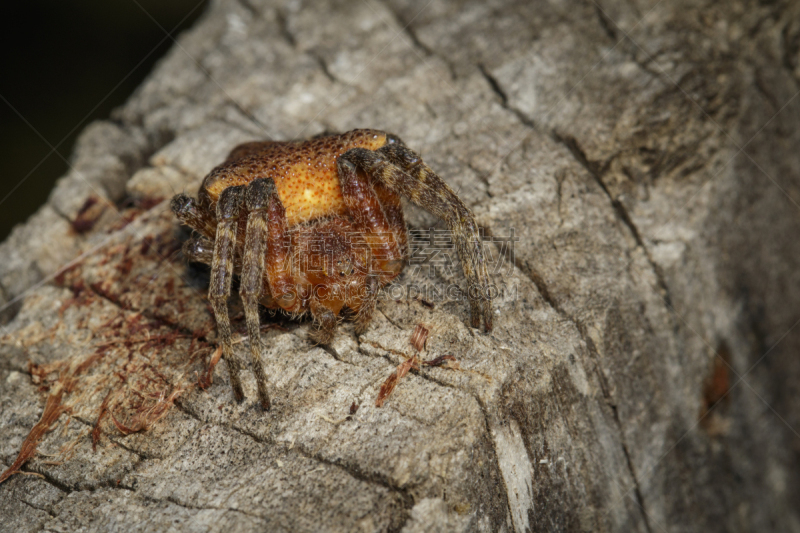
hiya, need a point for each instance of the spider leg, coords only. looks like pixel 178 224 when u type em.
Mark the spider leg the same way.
pixel 279 258
pixel 252 277
pixel 382 223
pixel 324 322
pixel 198 250
pixel 368 301
pixel 189 213
pixel 368 214
pixel 393 209
pixel 401 170
pixel 219 290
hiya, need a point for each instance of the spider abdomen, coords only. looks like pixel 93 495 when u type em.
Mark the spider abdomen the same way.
pixel 304 173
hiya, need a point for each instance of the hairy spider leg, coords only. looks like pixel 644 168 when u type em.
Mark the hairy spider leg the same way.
pixel 381 223
pixel 393 211
pixel 402 170
pixel 199 249
pixel 324 322
pixel 368 215
pixel 368 301
pixel 187 210
pixel 427 190
pixel 278 260
pixel 219 290
pixel 251 280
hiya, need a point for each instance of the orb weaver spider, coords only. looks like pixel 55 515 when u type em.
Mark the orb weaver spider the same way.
pixel 318 226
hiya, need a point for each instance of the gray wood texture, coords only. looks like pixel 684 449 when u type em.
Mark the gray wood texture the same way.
pixel 645 155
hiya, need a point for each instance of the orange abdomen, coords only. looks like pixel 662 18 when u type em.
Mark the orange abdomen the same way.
pixel 305 172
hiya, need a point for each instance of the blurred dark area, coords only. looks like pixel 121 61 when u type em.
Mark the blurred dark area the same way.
pixel 65 64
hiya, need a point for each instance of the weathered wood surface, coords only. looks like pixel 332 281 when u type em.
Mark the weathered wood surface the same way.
pixel 645 153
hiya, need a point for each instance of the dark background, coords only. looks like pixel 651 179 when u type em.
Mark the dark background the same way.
pixel 66 63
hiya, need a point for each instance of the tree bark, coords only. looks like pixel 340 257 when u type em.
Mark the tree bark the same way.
pixel 635 167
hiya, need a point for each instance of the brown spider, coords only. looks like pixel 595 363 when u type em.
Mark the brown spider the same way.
pixel 323 230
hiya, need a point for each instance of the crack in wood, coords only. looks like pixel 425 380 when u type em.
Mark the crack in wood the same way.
pixel 541 286
pixel 597 171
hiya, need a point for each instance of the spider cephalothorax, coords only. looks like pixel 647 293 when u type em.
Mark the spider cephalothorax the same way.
pixel 318 226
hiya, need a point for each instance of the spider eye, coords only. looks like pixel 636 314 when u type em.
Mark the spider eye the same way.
pixel 391 139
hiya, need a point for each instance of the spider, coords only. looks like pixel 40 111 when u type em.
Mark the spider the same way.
pixel 317 226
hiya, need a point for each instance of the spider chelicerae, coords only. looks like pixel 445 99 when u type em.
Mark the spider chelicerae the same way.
pixel 318 226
